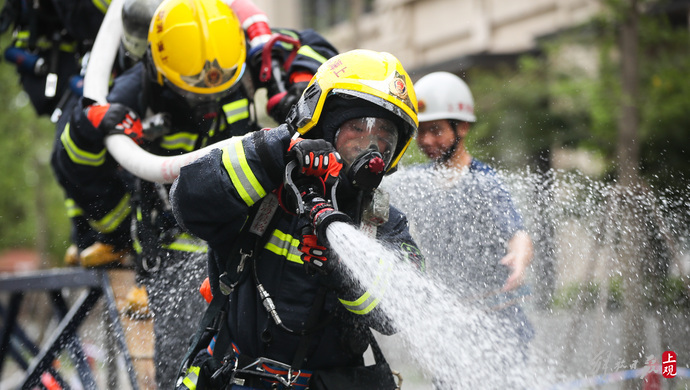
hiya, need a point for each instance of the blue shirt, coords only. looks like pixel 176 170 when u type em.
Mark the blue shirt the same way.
pixel 462 221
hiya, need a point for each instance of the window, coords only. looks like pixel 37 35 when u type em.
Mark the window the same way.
pixel 323 14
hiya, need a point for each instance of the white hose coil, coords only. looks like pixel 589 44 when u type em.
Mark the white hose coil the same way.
pixel 149 166
pixel 103 53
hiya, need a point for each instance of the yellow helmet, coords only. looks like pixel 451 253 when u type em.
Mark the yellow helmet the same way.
pixel 376 77
pixel 197 48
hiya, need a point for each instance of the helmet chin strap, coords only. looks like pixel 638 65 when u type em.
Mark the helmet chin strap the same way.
pixel 448 154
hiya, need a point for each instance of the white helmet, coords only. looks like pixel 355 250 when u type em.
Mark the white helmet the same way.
pixel 443 95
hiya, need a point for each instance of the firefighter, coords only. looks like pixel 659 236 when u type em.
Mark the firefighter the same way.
pixel 351 126
pixel 50 38
pixel 136 17
pixel 195 78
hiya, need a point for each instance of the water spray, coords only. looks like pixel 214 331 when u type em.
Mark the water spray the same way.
pixel 421 308
pixel 455 342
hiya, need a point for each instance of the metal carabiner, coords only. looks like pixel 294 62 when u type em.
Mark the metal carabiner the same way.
pixel 243 259
pixel 225 369
pixel 146 265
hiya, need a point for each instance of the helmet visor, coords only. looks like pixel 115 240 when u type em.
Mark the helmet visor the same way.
pixel 356 136
pixel 217 75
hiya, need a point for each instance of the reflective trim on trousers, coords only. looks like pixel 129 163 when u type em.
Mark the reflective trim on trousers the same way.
pixel 114 218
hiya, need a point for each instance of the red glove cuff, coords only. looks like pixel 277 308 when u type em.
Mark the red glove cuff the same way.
pixel 334 168
pixel 294 142
pixel 96 112
pixel 311 241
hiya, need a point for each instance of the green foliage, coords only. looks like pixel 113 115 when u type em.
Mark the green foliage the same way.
pixel 570 96
pixel 568 297
pixel 31 210
pixel 524 111
pixel 512 115
pixel 413 155
pixel 675 295
pixel 614 300
pixel 665 103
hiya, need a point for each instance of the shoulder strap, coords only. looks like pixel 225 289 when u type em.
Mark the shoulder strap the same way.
pixel 248 243
pixel 208 326
pixel 252 242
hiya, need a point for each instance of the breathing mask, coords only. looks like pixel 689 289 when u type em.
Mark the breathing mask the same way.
pixel 367 146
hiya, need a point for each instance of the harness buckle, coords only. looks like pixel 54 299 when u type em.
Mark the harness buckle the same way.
pixel 293 378
pixel 225 287
pixel 227 370
pixel 256 369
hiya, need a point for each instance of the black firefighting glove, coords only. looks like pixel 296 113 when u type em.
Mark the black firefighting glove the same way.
pixel 320 259
pixel 316 157
pixel 280 103
pixel 115 118
pixel 316 257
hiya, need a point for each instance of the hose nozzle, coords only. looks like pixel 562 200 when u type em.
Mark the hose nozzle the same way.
pixel 322 215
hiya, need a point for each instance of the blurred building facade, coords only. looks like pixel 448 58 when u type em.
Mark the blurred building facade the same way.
pixel 430 35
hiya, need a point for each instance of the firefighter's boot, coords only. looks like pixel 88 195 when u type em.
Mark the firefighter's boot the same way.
pixel 137 302
pixel 72 256
pixel 102 255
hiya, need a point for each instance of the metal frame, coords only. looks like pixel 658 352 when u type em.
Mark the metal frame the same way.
pixel 52 282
